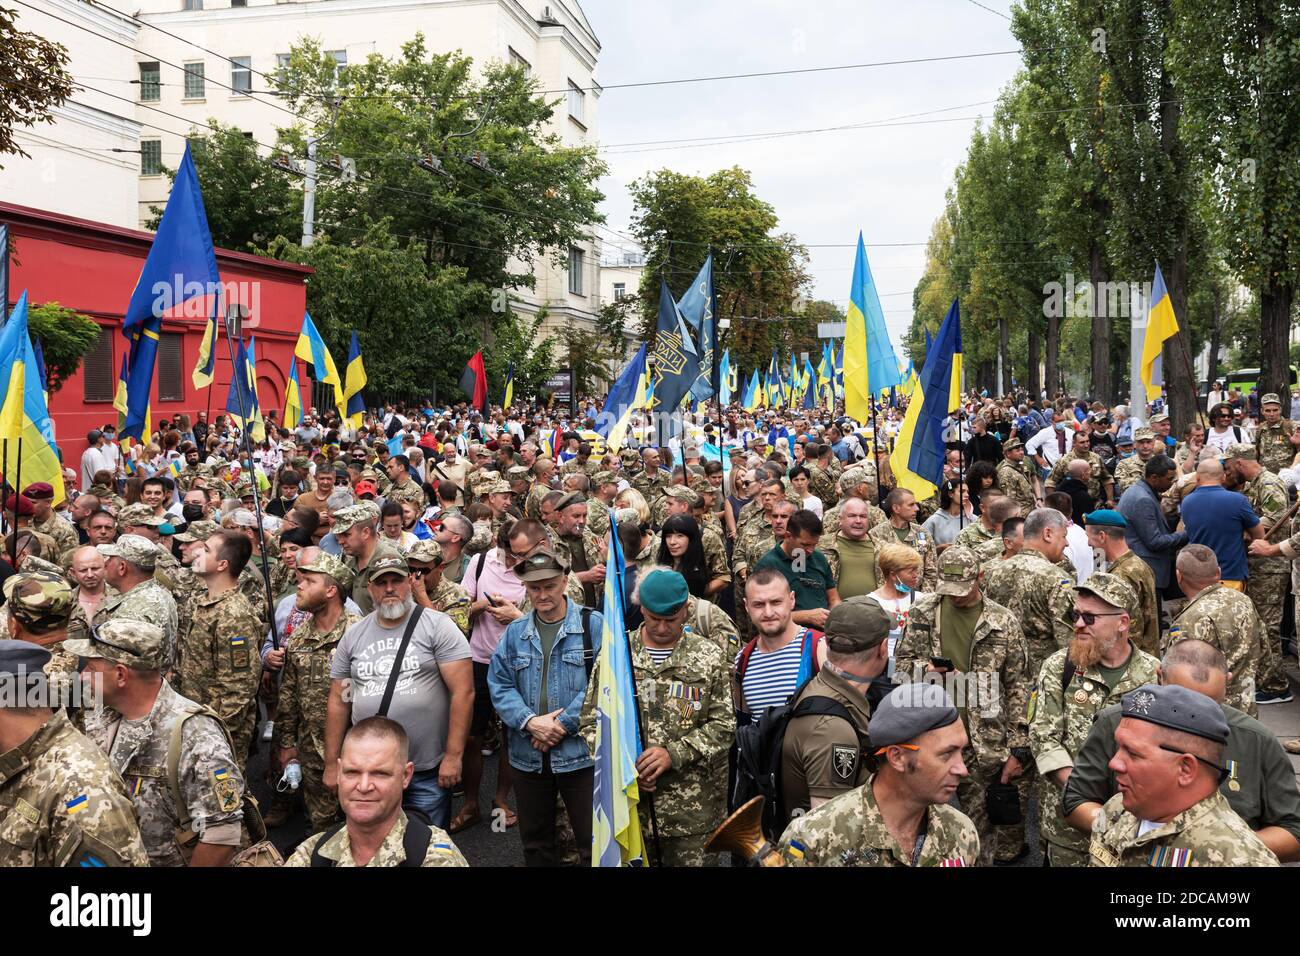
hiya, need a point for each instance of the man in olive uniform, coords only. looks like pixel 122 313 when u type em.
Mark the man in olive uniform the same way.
pixel 901 816
pixel 1098 668
pixel 653 478
pixel 685 691
pixel 995 508
pixel 1168 764
pixel 220 666
pixel 823 753
pixel 141 720
pixel 856 482
pixel 983 642
pixel 61 804
pixel 47 521
pixel 25 510
pixel 323 586
pixel 1012 477
pixel 1101 486
pixel 1267 578
pixel 1133 469
pixel 1106 533
pixel 1272 437
pixel 1041 593
pixel 355 529
pixel 851 551
pixel 901 528
pixel 130 568
pixel 584 551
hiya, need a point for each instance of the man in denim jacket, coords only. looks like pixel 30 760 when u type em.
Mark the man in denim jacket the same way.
pixel 547 648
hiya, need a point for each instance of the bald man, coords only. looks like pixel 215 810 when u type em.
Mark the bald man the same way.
pixel 90 588
pixel 1218 518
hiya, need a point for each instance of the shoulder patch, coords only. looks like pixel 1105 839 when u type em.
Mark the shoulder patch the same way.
pixel 844 762
pixel 226 790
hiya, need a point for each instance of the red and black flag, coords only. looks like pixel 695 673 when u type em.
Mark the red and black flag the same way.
pixel 473 382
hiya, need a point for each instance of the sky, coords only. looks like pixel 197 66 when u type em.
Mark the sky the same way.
pixel 888 183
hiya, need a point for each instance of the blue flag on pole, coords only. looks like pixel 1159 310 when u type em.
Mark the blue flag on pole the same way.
pixel 626 397
pixel 917 458
pixel 676 364
pixel 699 309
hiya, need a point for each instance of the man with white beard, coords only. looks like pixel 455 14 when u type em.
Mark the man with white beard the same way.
pixel 430 692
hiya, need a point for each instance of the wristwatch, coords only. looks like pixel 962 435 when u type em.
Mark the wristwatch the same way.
pixel 1024 756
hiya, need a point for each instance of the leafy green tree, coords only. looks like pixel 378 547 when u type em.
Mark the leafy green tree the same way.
pixel 66 337
pixel 33 79
pixel 518 340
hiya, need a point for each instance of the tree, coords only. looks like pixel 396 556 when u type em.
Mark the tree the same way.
pixel 590 357
pixel 516 343
pixel 32 81
pixel 249 200
pixel 66 338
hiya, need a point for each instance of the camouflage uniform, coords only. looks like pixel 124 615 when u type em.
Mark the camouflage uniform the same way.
pixel 1273 445
pixel 337 849
pixel 77 623
pixel 651 486
pixel 993 706
pixel 1267 578
pixel 973 535
pixel 300 721
pixel 885 533
pixel 208 776
pixel 831 518
pixel 597 517
pixel 1227 619
pixel 220 666
pixel 1128 473
pixel 61 804
pixel 1043 598
pixel 107 497
pixel 61 533
pixel 850 831
pixel 1059 723
pixel 822 485
pixel 686 709
pixel 1210 831
pixel 408 490
pixel 453 600
pixel 715 554
pixel 709 621
pixel 1017 486
pixel 253 586
pixel 749 512
pixel 1060 471
pixel 1145 629
pixel 533 503
pixel 361 580
pixel 148 601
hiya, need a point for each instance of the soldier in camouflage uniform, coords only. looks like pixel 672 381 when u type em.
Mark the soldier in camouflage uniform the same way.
pixel 355 529
pixel 853 483
pixel 684 684
pixel 189 587
pixel 1064 709
pixel 305 687
pixel 992 685
pixel 430 589
pixel 1207 831
pixel 1273 435
pixel 61 804
pixel 1039 592
pixel 219 663
pixel 901 528
pixel 1133 469
pixel 26 512
pixel 1014 479
pixel 758 538
pixel 107 496
pixel 1099 480
pixel 1220 616
pixel 652 479
pixel 77 623
pixel 543 468
pixel 1105 530
pixel 39 603
pixel 821 483
pixel 1267 578
pixel 582 550
pixel 604 486
pixel 49 523
pixel 922 739
pixel 403 487
pixel 130 568
pixel 137 727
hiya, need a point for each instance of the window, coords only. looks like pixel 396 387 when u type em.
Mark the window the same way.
pixel 576 102
pixel 239 3
pixel 519 61
pixel 620 290
pixel 150 157
pixel 98 378
pixel 575 270
pixel 194 81
pixel 171 386
pixel 340 58
pixel 150 83
pixel 241 73
pixel 191 4
pixel 282 61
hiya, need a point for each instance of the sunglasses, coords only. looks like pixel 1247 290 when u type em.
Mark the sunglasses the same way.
pixel 1089 618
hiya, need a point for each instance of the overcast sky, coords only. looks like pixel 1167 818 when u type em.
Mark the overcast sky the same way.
pixel 888 183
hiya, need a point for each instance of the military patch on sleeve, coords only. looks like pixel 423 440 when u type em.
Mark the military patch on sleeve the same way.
pixel 1033 705
pixel 225 790
pixel 844 761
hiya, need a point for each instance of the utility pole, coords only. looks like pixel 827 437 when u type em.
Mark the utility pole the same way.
pixel 309 195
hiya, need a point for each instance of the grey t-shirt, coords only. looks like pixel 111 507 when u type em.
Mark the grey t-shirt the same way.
pixel 421 702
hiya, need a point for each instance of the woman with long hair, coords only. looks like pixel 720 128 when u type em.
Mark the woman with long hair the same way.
pixel 681 547
pixel 954 511
pixel 980 477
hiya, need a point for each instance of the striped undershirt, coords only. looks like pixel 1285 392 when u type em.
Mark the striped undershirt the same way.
pixel 771 676
pixel 659 654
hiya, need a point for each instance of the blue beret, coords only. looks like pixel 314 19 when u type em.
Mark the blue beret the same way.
pixel 663 592
pixel 1105 518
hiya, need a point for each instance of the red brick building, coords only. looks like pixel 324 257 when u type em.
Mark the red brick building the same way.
pixel 93 267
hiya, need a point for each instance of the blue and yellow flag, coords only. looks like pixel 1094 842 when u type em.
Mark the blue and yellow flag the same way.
pixel 24 414
pixel 1162 324
pixel 626 397
pixel 509 397
pixel 726 379
pixel 870 366
pixel 311 349
pixel 616 826
pixel 207 363
pixel 181 267
pixel 917 458
pixel 356 403
pixel 292 398
pixel 241 401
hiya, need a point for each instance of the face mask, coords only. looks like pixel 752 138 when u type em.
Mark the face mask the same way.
pixel 1060 426
pixel 192 512
pixel 902 588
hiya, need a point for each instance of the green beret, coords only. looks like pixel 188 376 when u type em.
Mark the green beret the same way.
pixel 663 592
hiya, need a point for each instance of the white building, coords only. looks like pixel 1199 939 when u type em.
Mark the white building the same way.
pixel 86 162
pixel 620 272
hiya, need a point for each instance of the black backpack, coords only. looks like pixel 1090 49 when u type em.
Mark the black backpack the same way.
pixel 415 843
pixel 758 752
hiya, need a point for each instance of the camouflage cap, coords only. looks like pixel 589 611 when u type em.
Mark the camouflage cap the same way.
pixel 131 547
pixel 40 600
pixel 629 455
pixel 959 567
pixel 134 644
pixel 198 531
pixel 498 487
pixel 682 493
pixel 326 563
pixel 1112 589
pixel 853 477
pixel 389 562
pixel 857 624
pixel 139 514
pixel 700 485
pixel 603 478
pixel 518 473
pixel 427 552
pixel 244 488
pixel 362 512
pixel 1240 451
pixel 1143 434
pixel 1270 399
pixel 1156 419
pixel 1011 444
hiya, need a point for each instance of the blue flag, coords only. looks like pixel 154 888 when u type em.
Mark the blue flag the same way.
pixel 676 364
pixel 917 458
pixel 626 397
pixel 699 309
pixel 181 267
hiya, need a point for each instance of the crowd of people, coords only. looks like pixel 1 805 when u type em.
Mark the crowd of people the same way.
pixel 1083 617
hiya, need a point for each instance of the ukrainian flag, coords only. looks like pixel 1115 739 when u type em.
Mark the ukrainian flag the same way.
pixel 869 363
pixel 24 415
pixel 510 387
pixel 1162 324
pixel 356 408
pixel 311 349
pixel 259 423
pixel 207 363
pixel 917 458
pixel 625 398
pixel 616 827
pixel 241 401
pixel 293 398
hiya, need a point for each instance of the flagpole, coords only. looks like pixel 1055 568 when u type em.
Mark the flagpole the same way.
pixel 18 483
pixel 245 405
